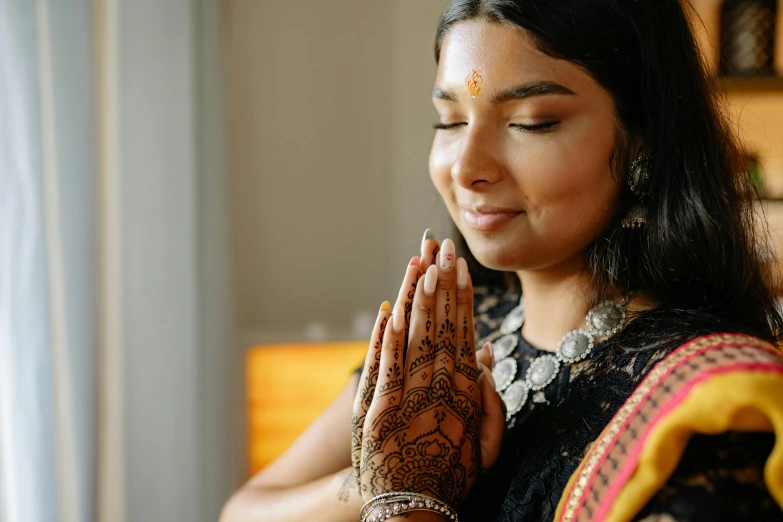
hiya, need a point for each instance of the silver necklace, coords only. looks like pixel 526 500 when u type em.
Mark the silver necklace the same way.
pixel 604 320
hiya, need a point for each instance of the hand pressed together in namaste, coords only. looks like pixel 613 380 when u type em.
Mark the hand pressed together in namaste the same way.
pixel 426 418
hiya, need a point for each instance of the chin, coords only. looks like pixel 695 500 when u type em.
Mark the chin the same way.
pixel 496 255
pixel 517 254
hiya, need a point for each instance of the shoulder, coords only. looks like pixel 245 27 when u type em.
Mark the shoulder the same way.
pixel 711 385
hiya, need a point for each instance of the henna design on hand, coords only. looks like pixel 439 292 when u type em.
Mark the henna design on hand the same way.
pixel 431 462
pixel 466 364
pixel 427 350
pixel 394 377
pixel 422 431
pixel 365 396
pixel 444 460
pixel 445 345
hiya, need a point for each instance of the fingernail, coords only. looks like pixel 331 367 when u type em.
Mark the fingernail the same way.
pixel 385 307
pixel 462 273
pixel 428 234
pixel 491 349
pixel 431 280
pixel 415 261
pixel 398 320
pixel 447 255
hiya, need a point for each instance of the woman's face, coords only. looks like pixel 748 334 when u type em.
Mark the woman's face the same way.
pixel 523 167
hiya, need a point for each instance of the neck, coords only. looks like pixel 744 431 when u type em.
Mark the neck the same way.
pixel 556 302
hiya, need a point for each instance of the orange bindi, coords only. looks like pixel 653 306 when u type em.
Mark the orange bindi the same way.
pixel 473 83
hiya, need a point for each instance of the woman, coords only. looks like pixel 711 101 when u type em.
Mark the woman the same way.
pixel 581 155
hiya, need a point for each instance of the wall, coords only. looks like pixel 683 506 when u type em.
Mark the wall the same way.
pixel 329 126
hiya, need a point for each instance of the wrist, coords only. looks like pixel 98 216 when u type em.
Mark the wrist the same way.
pixel 419 516
pixel 398 505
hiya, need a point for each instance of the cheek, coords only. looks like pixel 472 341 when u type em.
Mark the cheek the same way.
pixel 440 169
pixel 571 173
pixel 571 192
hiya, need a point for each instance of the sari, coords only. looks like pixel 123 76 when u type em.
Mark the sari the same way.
pixel 714 384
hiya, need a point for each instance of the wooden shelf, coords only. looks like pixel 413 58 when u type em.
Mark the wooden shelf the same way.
pixel 750 84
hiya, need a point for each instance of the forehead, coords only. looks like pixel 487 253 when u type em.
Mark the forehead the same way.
pixel 503 54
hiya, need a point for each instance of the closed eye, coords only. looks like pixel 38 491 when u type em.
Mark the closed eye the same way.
pixel 448 126
pixel 539 127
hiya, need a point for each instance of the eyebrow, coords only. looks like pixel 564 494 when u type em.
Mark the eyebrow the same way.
pixel 518 92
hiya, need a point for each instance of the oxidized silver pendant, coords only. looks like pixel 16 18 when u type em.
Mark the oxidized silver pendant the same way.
pixel 606 319
pixel 575 346
pixel 515 397
pixel 504 373
pixel 542 371
pixel 514 320
pixel 505 346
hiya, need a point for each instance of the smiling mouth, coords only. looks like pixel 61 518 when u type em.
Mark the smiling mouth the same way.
pixel 488 219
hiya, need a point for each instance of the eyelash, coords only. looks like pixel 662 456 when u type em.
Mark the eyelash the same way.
pixel 539 127
pixel 447 126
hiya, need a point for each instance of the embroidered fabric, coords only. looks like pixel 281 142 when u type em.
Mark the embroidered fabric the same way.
pixel 549 437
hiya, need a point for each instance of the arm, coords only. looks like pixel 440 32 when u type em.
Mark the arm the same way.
pixel 312 480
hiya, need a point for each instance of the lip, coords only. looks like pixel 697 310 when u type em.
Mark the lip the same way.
pixel 483 217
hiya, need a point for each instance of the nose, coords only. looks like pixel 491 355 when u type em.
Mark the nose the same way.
pixel 476 161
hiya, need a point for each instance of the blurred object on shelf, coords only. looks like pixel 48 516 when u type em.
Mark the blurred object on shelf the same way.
pixel 747 37
pixel 316 331
pixel 772 252
pixel 288 387
pixel 362 323
pixel 757 174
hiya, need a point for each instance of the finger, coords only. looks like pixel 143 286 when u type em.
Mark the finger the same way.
pixel 485 356
pixel 388 390
pixel 367 381
pixel 429 250
pixel 465 335
pixel 369 375
pixel 493 420
pixel 420 352
pixel 408 290
pixel 446 312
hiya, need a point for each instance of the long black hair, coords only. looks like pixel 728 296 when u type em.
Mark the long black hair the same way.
pixel 700 254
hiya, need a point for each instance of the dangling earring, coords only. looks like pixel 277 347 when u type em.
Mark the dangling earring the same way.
pixel 638 178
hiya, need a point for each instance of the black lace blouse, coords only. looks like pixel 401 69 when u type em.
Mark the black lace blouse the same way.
pixel 718 478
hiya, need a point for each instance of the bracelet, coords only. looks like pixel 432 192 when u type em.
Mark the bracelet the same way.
pixel 394 503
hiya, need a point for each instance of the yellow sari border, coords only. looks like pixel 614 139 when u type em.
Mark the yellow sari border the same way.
pixel 623 469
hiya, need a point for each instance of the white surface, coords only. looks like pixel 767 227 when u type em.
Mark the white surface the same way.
pixel 27 444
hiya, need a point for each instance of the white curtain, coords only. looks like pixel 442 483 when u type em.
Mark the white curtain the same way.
pixel 118 392
pixel 48 262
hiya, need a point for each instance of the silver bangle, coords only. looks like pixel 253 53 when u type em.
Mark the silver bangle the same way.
pixel 387 505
